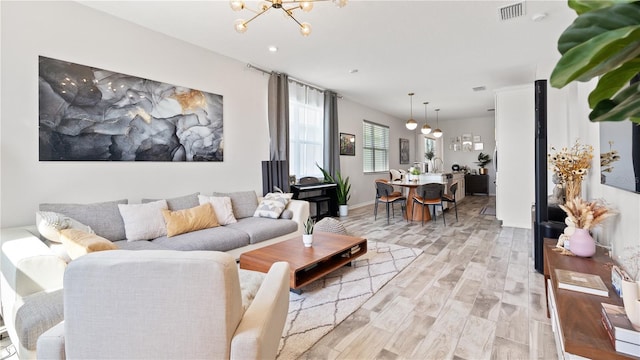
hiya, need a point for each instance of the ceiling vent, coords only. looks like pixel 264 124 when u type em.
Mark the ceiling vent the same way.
pixel 512 11
pixel 479 88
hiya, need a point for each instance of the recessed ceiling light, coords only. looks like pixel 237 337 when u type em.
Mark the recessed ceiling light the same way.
pixel 538 17
pixel 353 71
pixel 273 49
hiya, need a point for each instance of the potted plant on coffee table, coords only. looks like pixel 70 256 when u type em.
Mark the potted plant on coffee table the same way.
pixel 342 190
pixel 307 236
pixel 483 160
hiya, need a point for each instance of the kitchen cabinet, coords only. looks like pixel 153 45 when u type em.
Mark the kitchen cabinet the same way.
pixel 476 184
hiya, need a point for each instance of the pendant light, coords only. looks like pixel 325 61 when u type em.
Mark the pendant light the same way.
pixel 426 129
pixel 437 132
pixel 411 124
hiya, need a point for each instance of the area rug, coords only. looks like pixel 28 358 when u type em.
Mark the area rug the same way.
pixel 488 210
pixel 325 303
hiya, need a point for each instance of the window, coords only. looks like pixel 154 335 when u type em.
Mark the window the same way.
pixel 375 150
pixel 306 130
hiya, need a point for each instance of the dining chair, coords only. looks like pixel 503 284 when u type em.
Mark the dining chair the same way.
pixel 451 198
pixel 394 175
pixel 318 199
pixel 385 194
pixel 429 194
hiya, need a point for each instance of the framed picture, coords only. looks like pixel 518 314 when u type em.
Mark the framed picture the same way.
pixel 347 144
pixel 478 146
pixel 476 138
pixel 404 151
pixel 466 138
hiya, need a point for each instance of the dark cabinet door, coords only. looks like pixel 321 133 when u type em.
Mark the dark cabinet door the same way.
pixel 476 184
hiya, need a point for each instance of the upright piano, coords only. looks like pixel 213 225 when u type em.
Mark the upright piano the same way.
pixel 304 191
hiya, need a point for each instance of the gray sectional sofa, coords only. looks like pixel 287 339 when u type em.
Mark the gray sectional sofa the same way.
pixel 33 268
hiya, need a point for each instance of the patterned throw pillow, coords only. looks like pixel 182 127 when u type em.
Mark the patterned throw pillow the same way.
pixel 50 223
pixel 272 205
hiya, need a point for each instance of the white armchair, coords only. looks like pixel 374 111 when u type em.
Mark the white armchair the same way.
pixel 165 304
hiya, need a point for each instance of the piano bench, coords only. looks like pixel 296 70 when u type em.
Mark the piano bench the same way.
pixel 319 200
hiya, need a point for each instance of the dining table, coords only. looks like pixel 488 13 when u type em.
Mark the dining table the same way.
pixel 412 185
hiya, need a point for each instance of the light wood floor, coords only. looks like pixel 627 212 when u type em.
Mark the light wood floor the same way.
pixel 473 294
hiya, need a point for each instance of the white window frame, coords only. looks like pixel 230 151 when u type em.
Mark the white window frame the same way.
pixel 373 147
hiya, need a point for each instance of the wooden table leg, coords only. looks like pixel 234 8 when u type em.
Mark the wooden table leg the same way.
pixel 418 213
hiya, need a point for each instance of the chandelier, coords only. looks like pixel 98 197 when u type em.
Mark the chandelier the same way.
pixel 437 132
pixel 411 124
pixel 425 128
pixel 287 6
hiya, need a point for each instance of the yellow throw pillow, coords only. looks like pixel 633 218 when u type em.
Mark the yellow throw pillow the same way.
pixel 78 242
pixel 187 220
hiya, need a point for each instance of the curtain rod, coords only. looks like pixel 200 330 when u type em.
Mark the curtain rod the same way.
pixel 251 66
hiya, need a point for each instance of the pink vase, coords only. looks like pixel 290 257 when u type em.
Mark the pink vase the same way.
pixel 582 244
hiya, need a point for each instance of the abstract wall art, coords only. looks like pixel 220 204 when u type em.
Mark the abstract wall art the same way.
pixel 91 114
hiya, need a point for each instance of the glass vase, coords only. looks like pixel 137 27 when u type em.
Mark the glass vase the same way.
pixel 572 189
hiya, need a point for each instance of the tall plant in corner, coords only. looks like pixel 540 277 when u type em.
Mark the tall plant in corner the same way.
pixel 342 191
pixel 603 41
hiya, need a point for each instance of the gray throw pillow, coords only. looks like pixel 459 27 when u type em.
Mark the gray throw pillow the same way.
pixel 179 203
pixel 244 203
pixel 103 218
pixel 286 214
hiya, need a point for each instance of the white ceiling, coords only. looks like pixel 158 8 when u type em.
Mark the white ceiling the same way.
pixel 437 49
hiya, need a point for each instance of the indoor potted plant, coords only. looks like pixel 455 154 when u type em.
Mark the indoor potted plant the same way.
pixel 429 155
pixel 483 160
pixel 414 173
pixel 342 191
pixel 307 236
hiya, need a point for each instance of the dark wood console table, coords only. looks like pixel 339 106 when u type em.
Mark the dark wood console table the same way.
pixel 476 184
pixel 575 316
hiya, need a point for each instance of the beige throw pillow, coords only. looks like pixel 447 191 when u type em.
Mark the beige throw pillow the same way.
pixel 78 242
pixel 221 206
pixel 143 221
pixel 187 220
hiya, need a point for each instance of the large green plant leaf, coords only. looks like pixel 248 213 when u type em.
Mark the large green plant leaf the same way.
pixel 583 6
pixel 611 82
pixel 625 105
pixel 597 56
pixel 591 24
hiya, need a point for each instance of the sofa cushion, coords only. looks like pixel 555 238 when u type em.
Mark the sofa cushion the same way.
pixel 261 229
pixel 40 312
pixel 138 245
pixel 221 238
pixel 78 243
pixel 50 223
pixel 179 203
pixel 187 220
pixel 103 218
pixel 244 203
pixel 143 221
pixel 272 205
pixel 221 206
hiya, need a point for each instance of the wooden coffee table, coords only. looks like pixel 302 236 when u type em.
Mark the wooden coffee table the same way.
pixel 328 253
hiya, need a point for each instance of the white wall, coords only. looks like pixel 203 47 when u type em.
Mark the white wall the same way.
pixel 129 49
pixel 350 116
pixel 483 127
pixel 71 32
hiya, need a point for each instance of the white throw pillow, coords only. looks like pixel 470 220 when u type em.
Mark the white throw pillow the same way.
pixel 272 205
pixel 50 223
pixel 144 221
pixel 221 206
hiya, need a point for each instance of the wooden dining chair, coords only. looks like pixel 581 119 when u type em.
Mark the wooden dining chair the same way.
pixel 451 198
pixel 429 194
pixel 385 194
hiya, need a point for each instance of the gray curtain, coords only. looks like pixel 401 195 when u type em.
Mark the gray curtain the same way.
pixel 278 115
pixel 331 133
